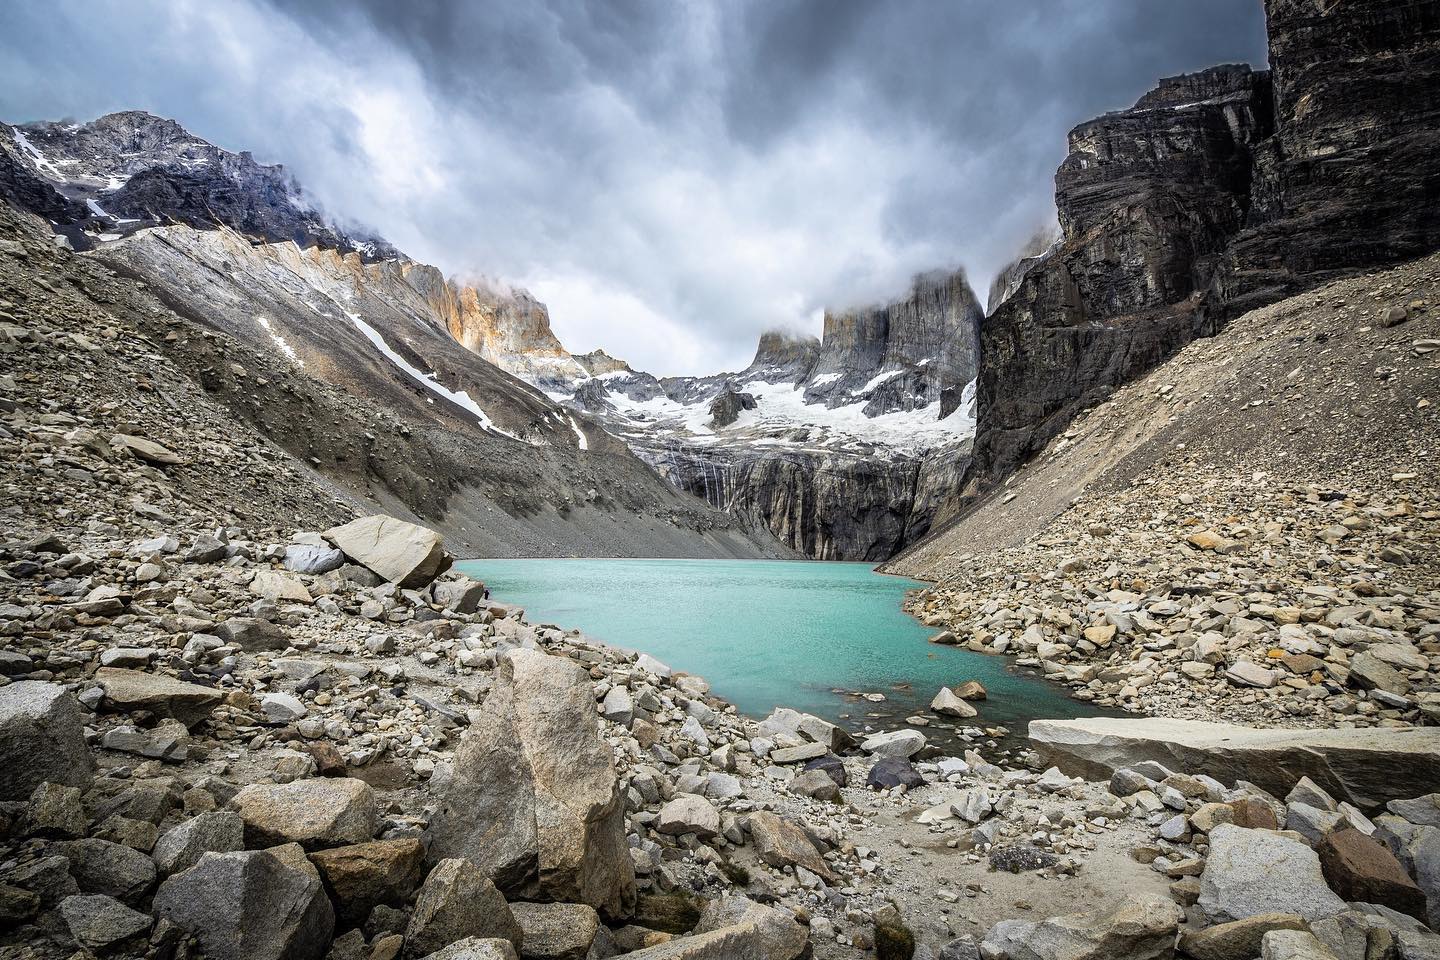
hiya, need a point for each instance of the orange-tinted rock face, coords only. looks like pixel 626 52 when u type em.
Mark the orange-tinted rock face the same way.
pixel 509 328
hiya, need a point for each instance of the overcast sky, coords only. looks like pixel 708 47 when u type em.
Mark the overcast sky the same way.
pixel 671 178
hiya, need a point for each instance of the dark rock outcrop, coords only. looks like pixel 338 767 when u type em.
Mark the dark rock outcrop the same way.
pixel 1217 192
pixel 726 408
pixel 930 333
pixel 142 170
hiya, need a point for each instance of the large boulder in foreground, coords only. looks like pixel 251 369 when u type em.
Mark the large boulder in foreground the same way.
pixel 1139 927
pixel 458 901
pixel 42 739
pixel 403 553
pixel 734 927
pixel 249 905
pixel 1367 767
pixel 534 800
pixel 314 813
pixel 1253 872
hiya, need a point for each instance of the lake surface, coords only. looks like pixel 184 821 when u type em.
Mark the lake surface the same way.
pixel 775 633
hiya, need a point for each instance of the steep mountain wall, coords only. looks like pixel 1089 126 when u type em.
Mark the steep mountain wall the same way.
pixel 930 333
pixel 1216 192
pixel 842 448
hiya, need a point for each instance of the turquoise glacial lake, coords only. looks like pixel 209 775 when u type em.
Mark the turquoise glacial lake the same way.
pixel 800 634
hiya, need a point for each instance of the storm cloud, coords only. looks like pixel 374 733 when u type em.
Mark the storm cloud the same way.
pixel 671 178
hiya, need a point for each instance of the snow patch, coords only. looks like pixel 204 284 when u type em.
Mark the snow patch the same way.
pixel 280 343
pixel 42 163
pixel 876 381
pixel 579 435
pixel 460 398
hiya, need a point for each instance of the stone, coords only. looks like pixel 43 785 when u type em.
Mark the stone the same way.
pixel 556 931
pixel 1422 811
pixel 1365 767
pixel 973 805
pixel 961 948
pixel 48 878
pixel 781 843
pixel 971 690
pixel 689 813
pixel 56 811
pixel 99 923
pixel 1211 815
pixel 276 586
pixel 475 948
pixel 101 866
pixel 462 595
pixel 534 799
pixel 734 928
pixel 282 707
pixel 314 813
pixel 403 553
pixel 889 772
pixel 618 706
pixel 312 558
pixel 948 704
pixel 458 901
pixel 363 875
pixel 1138 927
pixel 214 831
pixel 800 754
pixel 127 690
pixel 1251 872
pixel 1246 673
pixel 833 766
pixel 1310 822
pixel 1293 945
pixel 249 905
pixel 810 727
pixel 251 634
pixel 1308 792
pixel 898 743
pixel 1237 939
pixel 1017 859
pixel 42 739
pixel 816 784
pixel 141 448
pixel 1363 869
pixel 1369 672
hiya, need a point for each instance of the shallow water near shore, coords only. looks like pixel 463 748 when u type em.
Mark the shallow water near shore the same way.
pixel 777 633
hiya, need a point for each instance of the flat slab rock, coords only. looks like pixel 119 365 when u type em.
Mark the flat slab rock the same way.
pixel 1367 767
pixel 161 695
pixel 314 813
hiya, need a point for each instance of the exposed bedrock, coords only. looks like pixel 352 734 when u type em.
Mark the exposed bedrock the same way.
pixel 1217 192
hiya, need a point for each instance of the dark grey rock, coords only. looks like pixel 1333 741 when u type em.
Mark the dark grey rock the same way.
pixel 249 905
pixel 42 739
pixel 99 922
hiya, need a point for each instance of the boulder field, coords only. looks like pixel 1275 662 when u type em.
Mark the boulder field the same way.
pixel 360 769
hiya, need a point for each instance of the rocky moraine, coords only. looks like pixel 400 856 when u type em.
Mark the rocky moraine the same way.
pixel 250 710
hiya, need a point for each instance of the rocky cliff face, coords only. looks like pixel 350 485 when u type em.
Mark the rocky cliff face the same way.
pixel 131 170
pixel 842 448
pixel 1007 281
pixel 506 326
pixel 928 336
pixel 1216 192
